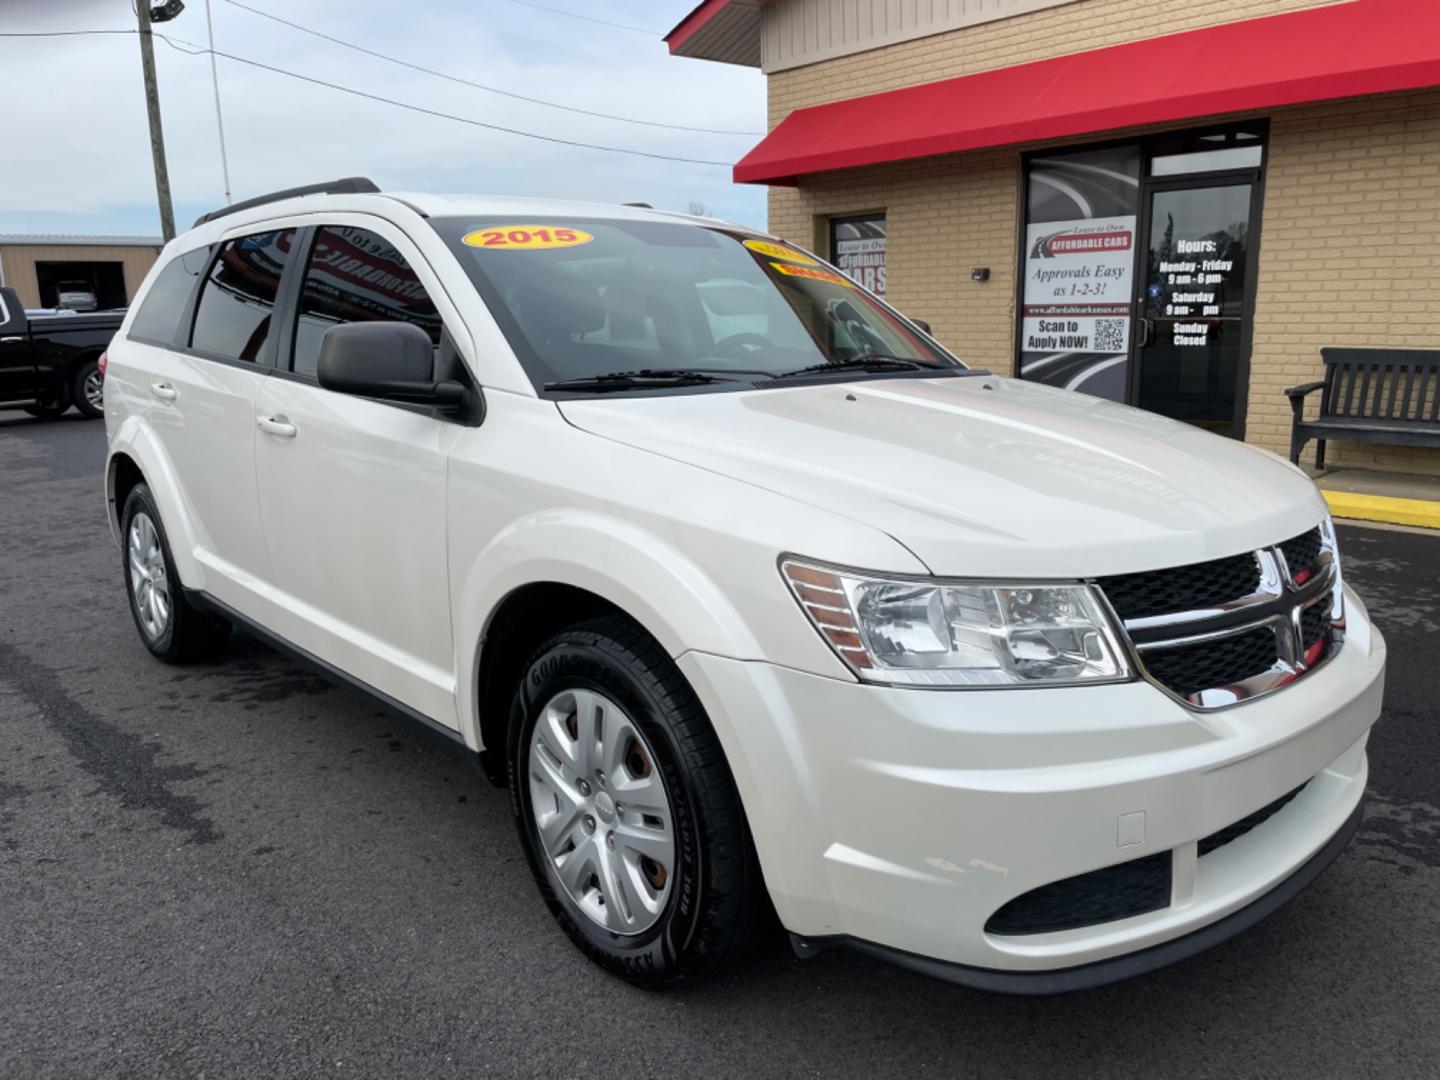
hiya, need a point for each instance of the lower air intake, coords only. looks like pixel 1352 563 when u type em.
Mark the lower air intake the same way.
pixel 1101 896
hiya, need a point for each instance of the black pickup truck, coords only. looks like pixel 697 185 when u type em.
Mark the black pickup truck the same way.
pixel 50 362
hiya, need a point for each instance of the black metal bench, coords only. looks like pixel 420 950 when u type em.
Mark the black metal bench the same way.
pixel 1370 395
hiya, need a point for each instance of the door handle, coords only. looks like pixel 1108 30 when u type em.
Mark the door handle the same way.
pixel 164 391
pixel 1146 329
pixel 274 425
pixel 10 340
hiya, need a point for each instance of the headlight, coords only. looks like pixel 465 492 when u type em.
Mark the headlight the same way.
pixel 959 634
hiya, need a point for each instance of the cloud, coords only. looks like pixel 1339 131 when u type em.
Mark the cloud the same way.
pixel 77 148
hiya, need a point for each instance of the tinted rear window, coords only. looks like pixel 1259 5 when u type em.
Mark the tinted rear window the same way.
pixel 233 317
pixel 159 316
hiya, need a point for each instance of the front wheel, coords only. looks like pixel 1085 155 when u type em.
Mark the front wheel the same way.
pixel 88 390
pixel 627 809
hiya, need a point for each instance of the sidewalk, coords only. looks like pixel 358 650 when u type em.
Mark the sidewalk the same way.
pixel 1393 498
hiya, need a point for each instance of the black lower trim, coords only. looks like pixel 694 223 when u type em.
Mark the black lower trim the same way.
pixel 446 736
pixel 1102 972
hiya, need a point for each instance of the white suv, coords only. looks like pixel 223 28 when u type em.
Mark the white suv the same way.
pixel 748 590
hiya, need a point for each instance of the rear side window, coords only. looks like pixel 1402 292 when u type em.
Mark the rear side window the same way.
pixel 158 319
pixel 233 319
pixel 356 276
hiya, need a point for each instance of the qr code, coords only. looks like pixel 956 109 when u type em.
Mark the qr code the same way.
pixel 1109 335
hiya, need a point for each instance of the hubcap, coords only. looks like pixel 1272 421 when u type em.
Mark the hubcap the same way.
pixel 601 810
pixel 94 388
pixel 148 584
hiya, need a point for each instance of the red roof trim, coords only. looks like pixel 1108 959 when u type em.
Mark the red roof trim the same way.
pixel 1319 54
pixel 693 23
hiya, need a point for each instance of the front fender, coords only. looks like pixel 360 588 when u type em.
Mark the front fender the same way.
pixel 652 581
pixel 138 442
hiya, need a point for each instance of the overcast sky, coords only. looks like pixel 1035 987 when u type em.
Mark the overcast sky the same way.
pixel 75 156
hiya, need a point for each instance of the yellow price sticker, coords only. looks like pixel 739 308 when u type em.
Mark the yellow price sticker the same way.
pixel 813 273
pixel 779 251
pixel 526 238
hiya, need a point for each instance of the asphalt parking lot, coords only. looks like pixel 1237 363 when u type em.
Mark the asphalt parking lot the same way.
pixel 241 870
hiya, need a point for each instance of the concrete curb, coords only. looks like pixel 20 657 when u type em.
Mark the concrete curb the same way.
pixel 1423 513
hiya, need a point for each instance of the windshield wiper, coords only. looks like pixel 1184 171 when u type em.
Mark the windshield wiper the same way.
pixel 871 362
pixel 631 380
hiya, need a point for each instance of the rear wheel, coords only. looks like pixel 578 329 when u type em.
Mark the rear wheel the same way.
pixel 87 389
pixel 627 809
pixel 170 626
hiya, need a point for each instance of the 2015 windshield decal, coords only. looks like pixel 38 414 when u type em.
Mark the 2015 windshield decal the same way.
pixel 779 251
pixel 814 273
pixel 526 237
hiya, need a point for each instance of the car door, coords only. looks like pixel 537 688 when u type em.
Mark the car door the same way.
pixel 353 490
pixel 17 365
pixel 199 398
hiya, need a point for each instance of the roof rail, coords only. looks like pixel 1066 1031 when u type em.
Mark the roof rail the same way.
pixel 350 185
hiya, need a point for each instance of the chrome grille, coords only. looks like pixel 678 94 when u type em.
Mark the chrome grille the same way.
pixel 1216 633
pixel 1302 553
pixel 1183 588
pixel 1188 669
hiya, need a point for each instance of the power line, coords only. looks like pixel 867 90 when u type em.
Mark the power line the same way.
pixel 482 86
pixel 391 101
pixel 588 18
pixel 460 119
pixel 60 33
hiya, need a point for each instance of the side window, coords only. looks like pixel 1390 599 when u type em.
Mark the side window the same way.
pixel 159 316
pixel 238 298
pixel 356 276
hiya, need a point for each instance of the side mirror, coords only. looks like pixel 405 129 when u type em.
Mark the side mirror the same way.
pixel 394 361
pixel 923 325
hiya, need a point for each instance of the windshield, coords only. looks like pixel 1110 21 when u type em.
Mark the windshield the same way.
pixel 583 298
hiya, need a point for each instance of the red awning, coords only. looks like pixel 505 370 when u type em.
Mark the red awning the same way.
pixel 1346 50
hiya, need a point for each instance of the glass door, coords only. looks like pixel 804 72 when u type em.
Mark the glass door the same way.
pixel 1192 349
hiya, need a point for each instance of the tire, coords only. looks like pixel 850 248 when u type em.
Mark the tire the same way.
pixel 87 390
pixel 171 628
pixel 708 900
pixel 50 410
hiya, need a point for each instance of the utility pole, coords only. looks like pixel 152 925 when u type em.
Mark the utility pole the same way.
pixel 152 105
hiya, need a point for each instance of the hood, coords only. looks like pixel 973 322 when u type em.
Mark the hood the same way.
pixel 983 476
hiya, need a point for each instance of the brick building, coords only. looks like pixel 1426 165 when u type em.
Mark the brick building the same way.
pixel 1170 203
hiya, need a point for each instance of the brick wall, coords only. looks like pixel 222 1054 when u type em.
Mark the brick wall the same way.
pixel 1090 24
pixel 1350 236
pixel 944 215
pixel 1349 253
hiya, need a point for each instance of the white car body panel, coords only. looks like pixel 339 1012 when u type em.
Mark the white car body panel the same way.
pixel 986 796
pixel 354 513
pixel 197 434
pixel 984 477
pixel 383 541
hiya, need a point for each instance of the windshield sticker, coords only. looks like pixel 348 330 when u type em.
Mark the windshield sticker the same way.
pixel 526 238
pixel 779 251
pixel 814 273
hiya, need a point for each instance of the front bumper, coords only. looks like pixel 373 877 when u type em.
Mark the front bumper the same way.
pixel 904 819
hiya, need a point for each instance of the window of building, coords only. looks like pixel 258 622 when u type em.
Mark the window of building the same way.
pixel 233 319
pixel 1137 261
pixel 355 275
pixel 1221 151
pixel 159 316
pixel 857 246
